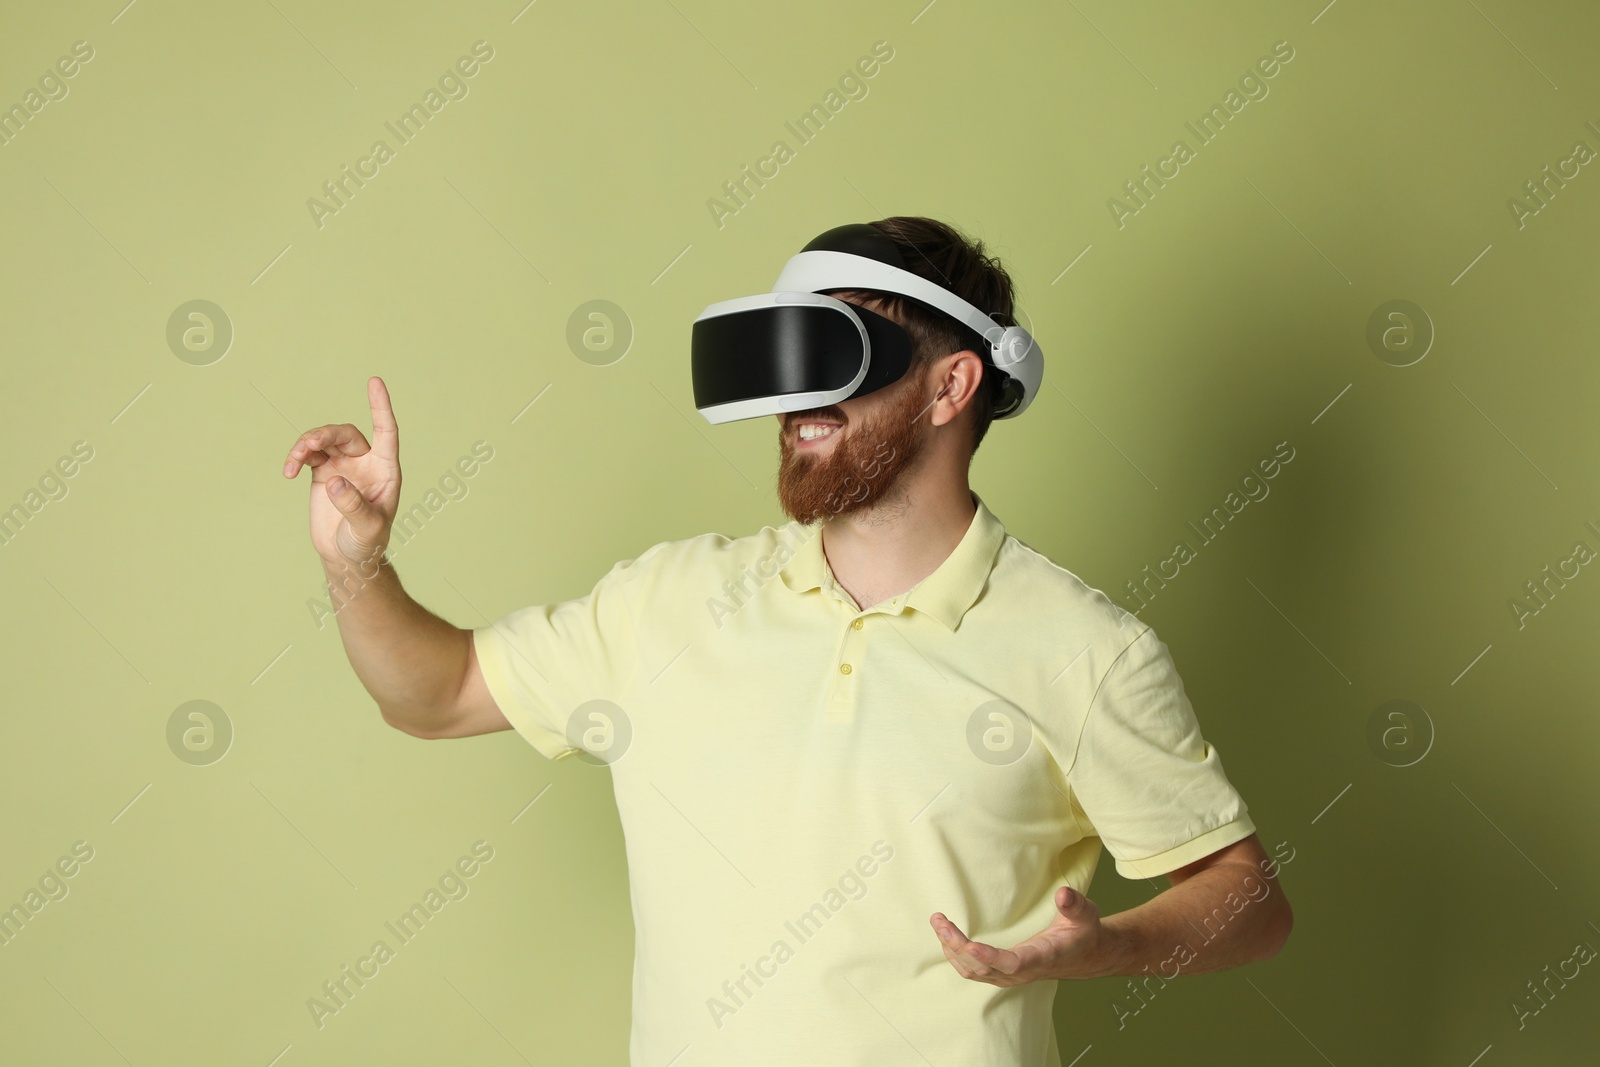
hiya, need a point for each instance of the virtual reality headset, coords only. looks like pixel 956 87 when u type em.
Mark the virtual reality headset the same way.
pixel 795 349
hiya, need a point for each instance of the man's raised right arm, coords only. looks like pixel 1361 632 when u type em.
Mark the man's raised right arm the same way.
pixel 421 670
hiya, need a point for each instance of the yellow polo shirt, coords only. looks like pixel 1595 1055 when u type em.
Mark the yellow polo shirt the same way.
pixel 802 783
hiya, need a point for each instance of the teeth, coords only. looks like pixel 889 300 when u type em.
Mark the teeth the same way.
pixel 811 431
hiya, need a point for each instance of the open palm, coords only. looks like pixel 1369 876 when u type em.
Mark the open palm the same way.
pixel 1065 949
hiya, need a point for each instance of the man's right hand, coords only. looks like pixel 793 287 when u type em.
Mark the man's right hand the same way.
pixel 355 486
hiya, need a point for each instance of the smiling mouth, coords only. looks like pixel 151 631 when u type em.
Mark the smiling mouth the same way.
pixel 806 434
pixel 815 432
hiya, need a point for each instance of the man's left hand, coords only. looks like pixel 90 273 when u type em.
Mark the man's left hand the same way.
pixel 1070 947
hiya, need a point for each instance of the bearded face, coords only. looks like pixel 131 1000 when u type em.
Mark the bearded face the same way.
pixel 849 456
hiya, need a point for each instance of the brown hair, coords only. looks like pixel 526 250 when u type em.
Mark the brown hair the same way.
pixel 947 258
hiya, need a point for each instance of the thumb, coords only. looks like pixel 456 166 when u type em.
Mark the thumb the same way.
pixel 364 520
pixel 339 492
pixel 1071 903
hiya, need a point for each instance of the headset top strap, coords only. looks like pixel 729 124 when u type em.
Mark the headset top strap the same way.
pixel 814 271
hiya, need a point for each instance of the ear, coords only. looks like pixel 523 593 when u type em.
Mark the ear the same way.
pixel 958 377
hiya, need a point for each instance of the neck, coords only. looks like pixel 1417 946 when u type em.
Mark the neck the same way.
pixel 880 552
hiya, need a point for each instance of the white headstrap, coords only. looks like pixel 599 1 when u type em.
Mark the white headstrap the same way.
pixel 1011 348
pixel 807 272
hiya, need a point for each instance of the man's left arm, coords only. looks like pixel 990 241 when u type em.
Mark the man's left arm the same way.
pixel 1221 911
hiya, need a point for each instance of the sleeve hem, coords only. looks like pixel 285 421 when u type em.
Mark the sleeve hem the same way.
pixel 1191 850
pixel 489 648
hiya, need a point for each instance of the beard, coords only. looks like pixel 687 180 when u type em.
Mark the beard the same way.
pixel 859 468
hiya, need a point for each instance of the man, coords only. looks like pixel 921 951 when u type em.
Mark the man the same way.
pixel 864 761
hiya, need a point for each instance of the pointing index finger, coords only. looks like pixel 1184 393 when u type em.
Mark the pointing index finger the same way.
pixel 385 434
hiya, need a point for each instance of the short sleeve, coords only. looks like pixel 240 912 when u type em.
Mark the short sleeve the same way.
pixel 541 663
pixel 1144 779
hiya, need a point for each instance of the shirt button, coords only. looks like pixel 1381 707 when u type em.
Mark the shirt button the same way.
pixel 856 625
pixel 844 668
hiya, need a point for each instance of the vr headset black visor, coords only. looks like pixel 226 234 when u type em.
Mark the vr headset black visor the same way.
pixel 795 351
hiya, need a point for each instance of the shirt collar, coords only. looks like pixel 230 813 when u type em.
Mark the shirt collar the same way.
pixel 946 594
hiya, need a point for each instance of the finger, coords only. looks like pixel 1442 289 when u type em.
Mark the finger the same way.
pixel 385 434
pixel 957 945
pixel 315 447
pixel 969 966
pixel 1004 960
pixel 949 933
pixel 342 439
pixel 962 967
pixel 950 938
pixel 974 959
pixel 365 521
pixel 986 959
pixel 302 455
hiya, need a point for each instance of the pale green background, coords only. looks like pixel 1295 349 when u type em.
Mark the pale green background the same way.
pixel 1221 320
